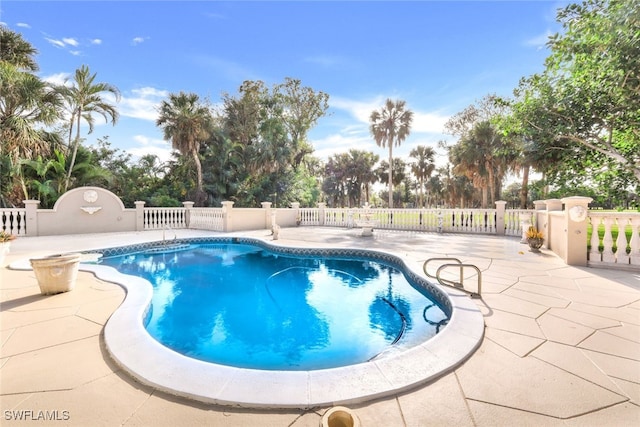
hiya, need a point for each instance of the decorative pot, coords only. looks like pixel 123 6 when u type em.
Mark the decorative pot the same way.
pixel 535 244
pixel 56 273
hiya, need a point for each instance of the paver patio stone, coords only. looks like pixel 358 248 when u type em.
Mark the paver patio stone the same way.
pixel 545 300
pixel 563 331
pixel 575 361
pixel 630 389
pixel 616 367
pixel 623 415
pixel 610 344
pixel 381 412
pixel 118 400
pixel 10 319
pixel 549 283
pixel 100 311
pixel 46 334
pixel 518 344
pixel 514 305
pixel 439 403
pixel 626 331
pixel 488 415
pixel 621 314
pixel 599 297
pixel 60 367
pixel 582 318
pixel 513 323
pixel 163 410
pixel 530 384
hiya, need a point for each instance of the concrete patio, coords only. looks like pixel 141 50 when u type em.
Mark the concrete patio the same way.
pixel 561 346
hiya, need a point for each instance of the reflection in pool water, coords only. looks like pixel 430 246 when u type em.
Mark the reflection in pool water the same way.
pixel 244 306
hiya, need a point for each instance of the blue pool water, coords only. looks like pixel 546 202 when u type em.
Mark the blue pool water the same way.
pixel 242 305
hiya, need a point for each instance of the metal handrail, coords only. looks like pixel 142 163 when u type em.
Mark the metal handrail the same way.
pixel 457 285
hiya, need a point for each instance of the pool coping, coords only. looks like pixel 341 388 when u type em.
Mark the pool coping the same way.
pixel 149 362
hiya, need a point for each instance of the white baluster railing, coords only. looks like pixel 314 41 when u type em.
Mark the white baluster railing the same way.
pixel 620 241
pixel 13 221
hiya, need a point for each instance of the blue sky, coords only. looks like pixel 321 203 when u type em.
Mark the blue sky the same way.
pixel 438 56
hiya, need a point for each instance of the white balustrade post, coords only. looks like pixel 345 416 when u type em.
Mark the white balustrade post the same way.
pixel 187 214
pixel 296 208
pixel 268 222
pixel 575 216
pixel 594 253
pixel 139 215
pixel 227 216
pixel 500 208
pixel 321 208
pixel 31 220
pixel 634 243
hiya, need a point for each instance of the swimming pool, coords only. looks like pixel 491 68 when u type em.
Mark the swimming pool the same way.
pixel 245 306
pixel 137 353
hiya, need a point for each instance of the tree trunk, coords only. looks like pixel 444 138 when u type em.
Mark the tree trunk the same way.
pixel 75 152
pixel 524 191
pixel 390 174
pixel 199 184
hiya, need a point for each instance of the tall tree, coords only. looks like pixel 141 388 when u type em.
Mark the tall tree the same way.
pixel 186 122
pixel 589 93
pixel 423 167
pixel 302 107
pixel 390 126
pixel 84 97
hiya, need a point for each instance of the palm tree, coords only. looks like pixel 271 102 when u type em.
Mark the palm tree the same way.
pixel 187 124
pixel 390 126
pixel 83 98
pixel 423 167
pixel 17 51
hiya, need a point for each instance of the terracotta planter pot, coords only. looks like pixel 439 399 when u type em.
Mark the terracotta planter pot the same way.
pixel 56 273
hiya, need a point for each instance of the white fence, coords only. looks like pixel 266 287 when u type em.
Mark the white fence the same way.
pixel 614 237
pixel 14 221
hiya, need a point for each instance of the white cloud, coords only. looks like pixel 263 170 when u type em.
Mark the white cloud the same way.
pixel 146 145
pixel 70 41
pixel 428 122
pixel 23 25
pixel 96 41
pixel 56 43
pixel 142 103
pixel 138 40
pixel 57 79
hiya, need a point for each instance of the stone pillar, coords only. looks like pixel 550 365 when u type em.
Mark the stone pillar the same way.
pixel 187 214
pixel 139 215
pixel 575 222
pixel 500 208
pixel 31 221
pixel 296 208
pixel 321 208
pixel 553 205
pixel 268 223
pixel 227 216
